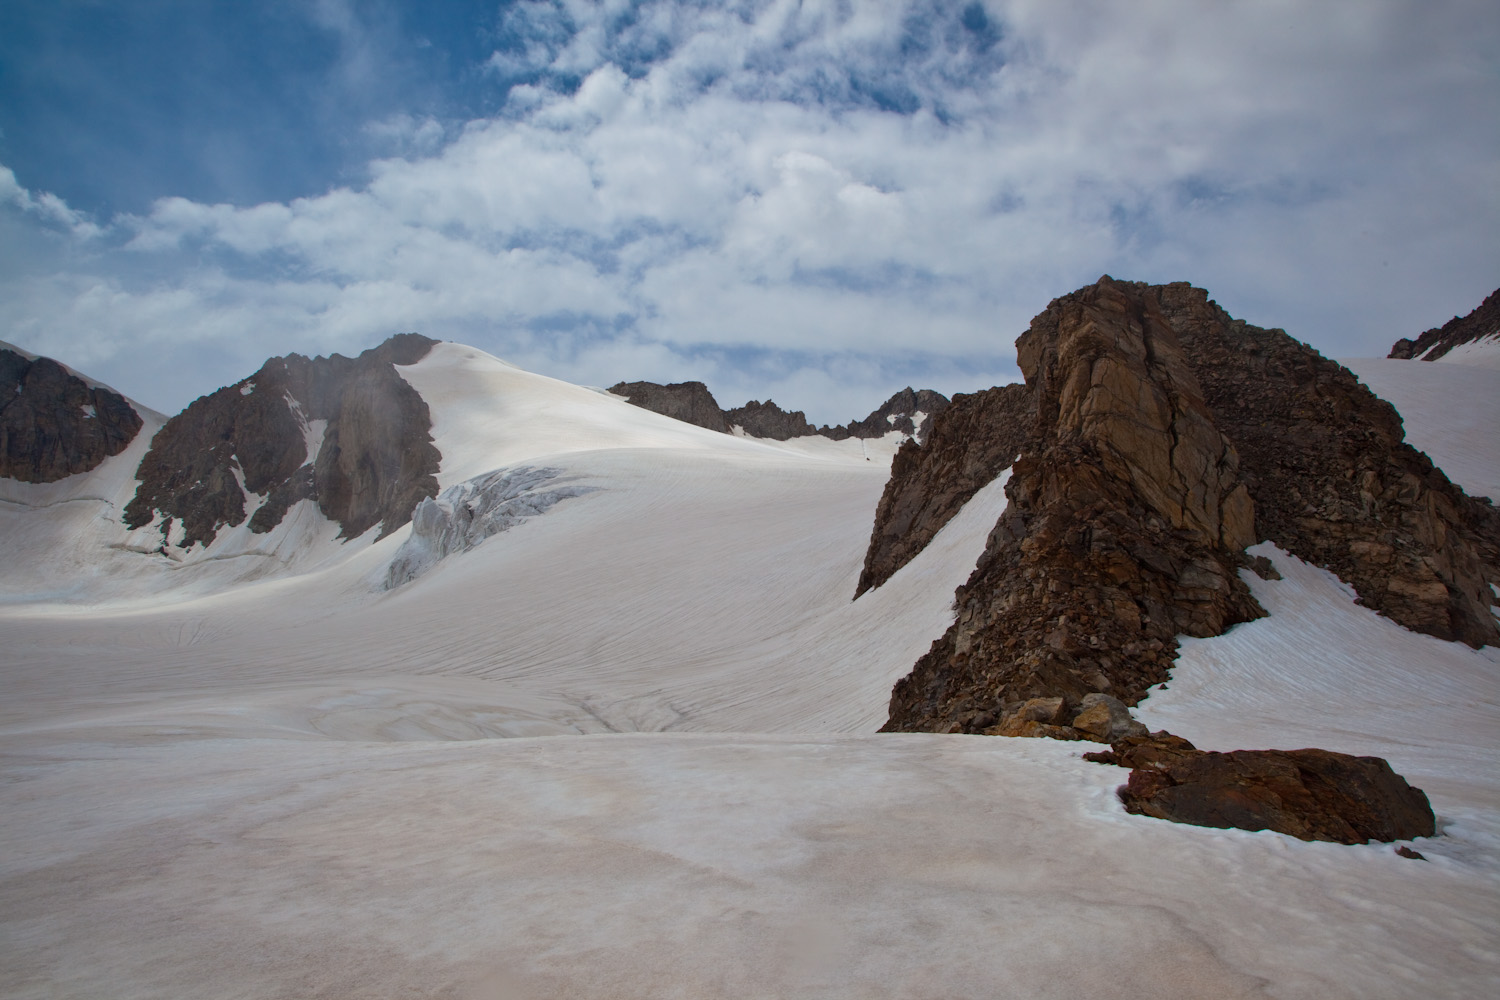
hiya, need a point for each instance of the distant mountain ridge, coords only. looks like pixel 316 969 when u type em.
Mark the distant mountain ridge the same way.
pixel 1482 323
pixel 909 411
pixel 54 424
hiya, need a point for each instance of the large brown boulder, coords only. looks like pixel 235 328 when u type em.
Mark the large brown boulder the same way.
pixel 375 463
pixel 53 424
pixel 1125 528
pixel 1308 794
pixel 969 442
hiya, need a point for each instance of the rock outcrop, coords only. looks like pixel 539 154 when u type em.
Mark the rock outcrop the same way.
pixel 53 424
pixel 969 442
pixel 909 411
pixel 1168 436
pixel 1482 322
pixel 1126 528
pixel 1308 794
pixel 687 401
pixel 372 461
pixel 767 420
pixel 1334 482
pixel 464 515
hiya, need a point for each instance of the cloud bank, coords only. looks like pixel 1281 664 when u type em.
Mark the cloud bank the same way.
pixel 822 202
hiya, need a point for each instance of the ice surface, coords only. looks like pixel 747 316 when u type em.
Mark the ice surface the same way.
pixel 627 750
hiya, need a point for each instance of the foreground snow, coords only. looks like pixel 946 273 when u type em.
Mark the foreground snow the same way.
pixel 299 784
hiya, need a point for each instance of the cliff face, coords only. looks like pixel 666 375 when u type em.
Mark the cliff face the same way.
pixel 1126 522
pixel 1167 437
pixel 54 424
pixel 968 443
pixel 1482 322
pixel 374 463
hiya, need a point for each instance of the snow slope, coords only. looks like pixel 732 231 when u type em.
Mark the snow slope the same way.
pixel 305 785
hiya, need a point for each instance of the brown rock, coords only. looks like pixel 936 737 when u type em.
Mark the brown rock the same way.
pixel 1308 794
pixel 1105 719
pixel 970 442
pixel 1124 529
pixel 53 424
pixel 1332 479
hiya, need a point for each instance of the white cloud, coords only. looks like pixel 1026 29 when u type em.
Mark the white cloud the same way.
pixel 744 187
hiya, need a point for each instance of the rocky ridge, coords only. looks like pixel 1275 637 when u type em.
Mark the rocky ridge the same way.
pixel 1126 527
pixel 54 424
pixel 909 411
pixel 1433 344
pixel 967 444
pixel 349 433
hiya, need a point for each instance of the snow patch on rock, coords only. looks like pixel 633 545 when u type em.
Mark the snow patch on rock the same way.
pixel 466 514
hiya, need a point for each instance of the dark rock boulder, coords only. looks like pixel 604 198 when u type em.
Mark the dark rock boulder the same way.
pixel 1126 527
pixel 1308 794
pixel 1333 480
pixel 53 424
pixel 686 401
pixel 969 442
pixel 375 463
pixel 767 420
pixel 1482 322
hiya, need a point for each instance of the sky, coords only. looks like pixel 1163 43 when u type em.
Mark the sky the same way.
pixel 816 202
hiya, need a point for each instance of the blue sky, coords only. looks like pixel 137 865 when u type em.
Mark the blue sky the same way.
pixel 819 202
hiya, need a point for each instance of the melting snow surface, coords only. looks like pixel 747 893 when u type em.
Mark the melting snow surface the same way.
pixel 628 750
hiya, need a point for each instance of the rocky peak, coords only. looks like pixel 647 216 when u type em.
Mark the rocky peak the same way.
pixel 54 424
pixel 1167 437
pixel 687 401
pixel 1482 322
pixel 1125 527
pixel 374 459
pixel 767 420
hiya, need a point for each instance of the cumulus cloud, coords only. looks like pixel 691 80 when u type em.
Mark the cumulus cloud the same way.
pixel 836 200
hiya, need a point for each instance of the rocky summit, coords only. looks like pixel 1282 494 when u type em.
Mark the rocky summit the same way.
pixel 349 433
pixel 1166 437
pixel 53 424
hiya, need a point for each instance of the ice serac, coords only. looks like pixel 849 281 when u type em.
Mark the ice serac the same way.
pixel 54 424
pixel 968 442
pixel 1482 323
pixel 1125 528
pixel 464 515
pixel 1333 480
pixel 687 401
pixel 374 463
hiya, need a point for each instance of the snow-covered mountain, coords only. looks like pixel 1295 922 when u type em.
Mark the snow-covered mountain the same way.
pixel 279 764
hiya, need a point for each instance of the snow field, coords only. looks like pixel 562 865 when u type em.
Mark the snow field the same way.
pixel 295 785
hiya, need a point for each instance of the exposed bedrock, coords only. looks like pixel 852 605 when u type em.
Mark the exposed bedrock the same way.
pixel 1125 528
pixel 1482 322
pixel 374 459
pixel 1333 480
pixel 53 424
pixel 1168 436
pixel 968 443
pixel 687 401
pixel 1308 794
pixel 909 411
